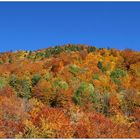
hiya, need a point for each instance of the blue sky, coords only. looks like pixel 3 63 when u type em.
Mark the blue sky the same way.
pixel 36 25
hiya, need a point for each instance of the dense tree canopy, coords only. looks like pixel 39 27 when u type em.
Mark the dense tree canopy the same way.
pixel 69 91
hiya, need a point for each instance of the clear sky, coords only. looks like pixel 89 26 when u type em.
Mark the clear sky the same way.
pixel 36 25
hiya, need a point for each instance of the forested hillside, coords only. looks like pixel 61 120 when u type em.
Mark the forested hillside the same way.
pixel 70 91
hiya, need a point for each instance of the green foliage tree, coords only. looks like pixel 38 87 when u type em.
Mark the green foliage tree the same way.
pixel 101 67
pixel 48 76
pixel 84 91
pixel 30 55
pixel 60 84
pixel 35 79
pixel 57 50
pixel 21 86
pixel 117 74
pixel 13 80
pixel 91 49
pixel 95 76
pixel 74 69
pixel 24 89
pixel 40 55
pixel 10 59
pixel 105 104
pixel 48 53
pixel 2 82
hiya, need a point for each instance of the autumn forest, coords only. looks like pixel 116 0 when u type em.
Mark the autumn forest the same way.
pixel 70 91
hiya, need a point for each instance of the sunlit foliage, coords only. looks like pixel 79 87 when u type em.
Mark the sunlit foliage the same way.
pixel 70 91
